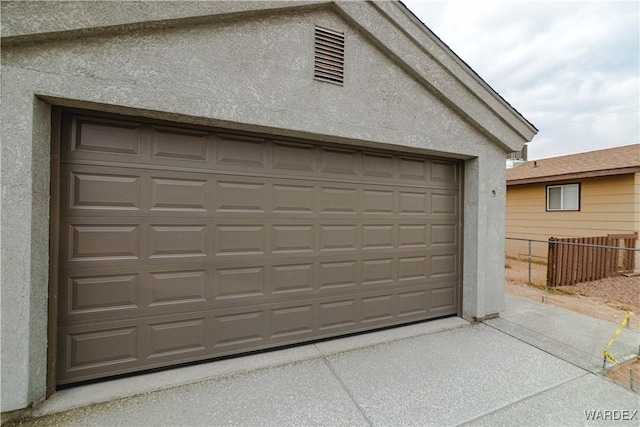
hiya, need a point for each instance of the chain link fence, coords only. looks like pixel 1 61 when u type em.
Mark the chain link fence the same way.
pixel 526 261
pixel 562 262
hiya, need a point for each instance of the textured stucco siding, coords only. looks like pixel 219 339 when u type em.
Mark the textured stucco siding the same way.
pixel 28 19
pixel 387 23
pixel 254 74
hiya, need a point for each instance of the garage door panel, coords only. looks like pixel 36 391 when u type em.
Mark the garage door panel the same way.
pixel 95 190
pixel 443 298
pixel 180 244
pixel 171 194
pixel 380 272
pixel 99 293
pixel 174 145
pixel 239 282
pixel 339 237
pixel 240 152
pixel 378 201
pixel 443 265
pixel 292 322
pixel 339 274
pixel 443 235
pixel 94 241
pixel 334 200
pixel 178 240
pixel 443 172
pixel 413 235
pixel 237 239
pixel 335 161
pixel 248 196
pixel 412 268
pixel 292 238
pixel 175 194
pixel 85 293
pixel 379 165
pixel 413 203
pixel 91 137
pixel 177 287
pixel 209 150
pixel 444 204
pixel 413 169
pixel 379 308
pixel 292 279
pixel 213 285
pixel 293 199
pixel 97 350
pixel 337 314
pixel 109 348
pixel 107 293
pixel 288 156
pixel 239 329
pixel 378 236
pixel 412 303
pixel 177 337
pixel 141 192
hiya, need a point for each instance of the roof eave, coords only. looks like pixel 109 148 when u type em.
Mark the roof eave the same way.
pixel 575 175
pixel 467 68
pixel 408 42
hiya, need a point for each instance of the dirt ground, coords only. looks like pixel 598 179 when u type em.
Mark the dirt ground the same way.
pixel 608 299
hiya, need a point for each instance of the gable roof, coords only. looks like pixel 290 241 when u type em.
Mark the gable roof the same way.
pixel 389 25
pixel 611 161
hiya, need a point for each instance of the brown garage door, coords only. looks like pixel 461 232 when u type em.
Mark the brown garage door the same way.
pixel 179 244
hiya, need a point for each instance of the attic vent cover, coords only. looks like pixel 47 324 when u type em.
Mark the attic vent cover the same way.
pixel 329 56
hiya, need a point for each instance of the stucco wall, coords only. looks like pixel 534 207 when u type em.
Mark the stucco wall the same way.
pixel 253 74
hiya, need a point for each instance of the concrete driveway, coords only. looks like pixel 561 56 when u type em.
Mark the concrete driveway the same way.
pixel 534 366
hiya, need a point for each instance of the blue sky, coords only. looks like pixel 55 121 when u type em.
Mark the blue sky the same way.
pixel 570 67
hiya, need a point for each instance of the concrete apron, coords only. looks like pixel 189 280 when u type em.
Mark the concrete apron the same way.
pixel 533 365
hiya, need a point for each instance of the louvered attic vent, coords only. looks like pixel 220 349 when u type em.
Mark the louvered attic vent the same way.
pixel 329 56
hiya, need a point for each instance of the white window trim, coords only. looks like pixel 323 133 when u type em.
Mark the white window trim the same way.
pixel 562 208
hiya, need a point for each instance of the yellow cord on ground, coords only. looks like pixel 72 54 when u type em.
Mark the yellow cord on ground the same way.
pixel 605 352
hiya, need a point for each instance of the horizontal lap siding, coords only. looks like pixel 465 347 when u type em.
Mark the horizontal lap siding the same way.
pixel 606 207
pixel 182 244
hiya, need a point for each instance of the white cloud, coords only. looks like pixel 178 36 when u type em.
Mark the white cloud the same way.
pixel 571 67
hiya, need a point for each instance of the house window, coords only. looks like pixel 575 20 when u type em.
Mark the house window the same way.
pixel 563 197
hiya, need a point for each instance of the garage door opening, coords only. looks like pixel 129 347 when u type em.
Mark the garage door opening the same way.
pixel 180 243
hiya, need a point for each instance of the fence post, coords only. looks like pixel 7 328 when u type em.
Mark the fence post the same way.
pixel 551 261
pixel 529 262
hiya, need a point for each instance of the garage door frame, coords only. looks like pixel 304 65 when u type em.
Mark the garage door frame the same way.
pixel 55 212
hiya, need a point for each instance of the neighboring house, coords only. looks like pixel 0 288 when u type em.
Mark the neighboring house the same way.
pixel 589 194
pixel 188 180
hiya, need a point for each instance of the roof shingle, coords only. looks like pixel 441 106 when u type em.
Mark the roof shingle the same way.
pixel 610 161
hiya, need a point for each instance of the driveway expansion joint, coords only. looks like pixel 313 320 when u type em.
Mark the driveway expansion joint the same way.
pixel 524 398
pixel 540 336
pixel 346 390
